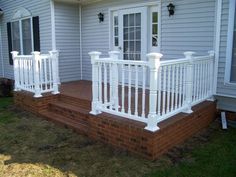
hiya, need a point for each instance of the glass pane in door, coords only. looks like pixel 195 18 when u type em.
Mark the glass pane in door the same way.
pixel 132 36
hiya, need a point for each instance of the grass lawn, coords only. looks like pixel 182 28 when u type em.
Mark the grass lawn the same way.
pixel 31 146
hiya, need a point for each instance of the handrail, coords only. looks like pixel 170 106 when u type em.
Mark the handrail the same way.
pixel 36 73
pixel 150 91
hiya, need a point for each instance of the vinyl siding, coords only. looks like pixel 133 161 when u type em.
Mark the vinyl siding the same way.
pixel 191 28
pixel 37 8
pixel 68 40
pixel 226 103
pixel 222 88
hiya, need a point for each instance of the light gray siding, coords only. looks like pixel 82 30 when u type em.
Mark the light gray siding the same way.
pixel 226 103
pixel 68 40
pixel 222 88
pixel 37 8
pixel 191 28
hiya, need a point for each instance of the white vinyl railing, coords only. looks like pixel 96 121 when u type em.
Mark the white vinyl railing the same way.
pixel 150 91
pixel 36 73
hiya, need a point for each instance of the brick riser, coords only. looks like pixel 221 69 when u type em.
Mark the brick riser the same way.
pixel 85 104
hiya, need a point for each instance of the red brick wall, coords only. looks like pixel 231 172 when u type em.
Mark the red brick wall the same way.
pixel 26 101
pixel 124 133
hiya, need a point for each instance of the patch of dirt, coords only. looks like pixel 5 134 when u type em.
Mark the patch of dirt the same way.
pixel 31 146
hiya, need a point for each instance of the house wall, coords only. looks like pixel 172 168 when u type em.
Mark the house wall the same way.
pixel 67 30
pixel 224 102
pixel 191 28
pixel 37 8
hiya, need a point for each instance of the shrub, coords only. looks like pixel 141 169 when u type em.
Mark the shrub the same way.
pixel 6 87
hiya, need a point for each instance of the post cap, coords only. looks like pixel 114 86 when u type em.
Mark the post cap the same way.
pixel 94 53
pixel 14 53
pixel 35 53
pixel 211 53
pixel 154 55
pixel 189 54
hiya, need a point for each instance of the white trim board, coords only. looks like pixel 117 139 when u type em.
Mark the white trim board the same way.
pixel 52 6
pixel 229 48
pixel 217 41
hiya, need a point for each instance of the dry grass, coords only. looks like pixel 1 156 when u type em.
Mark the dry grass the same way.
pixel 33 147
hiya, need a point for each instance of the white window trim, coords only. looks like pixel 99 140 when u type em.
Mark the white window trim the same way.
pixel 150 47
pixel 136 5
pixel 230 43
pixel 21 34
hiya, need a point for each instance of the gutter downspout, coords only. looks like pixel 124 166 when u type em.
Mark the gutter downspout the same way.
pixel 217 42
pixel 80 38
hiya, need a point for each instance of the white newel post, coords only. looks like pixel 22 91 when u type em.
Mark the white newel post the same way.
pixel 16 69
pixel 114 55
pixel 54 57
pixel 154 65
pixel 189 81
pixel 95 102
pixel 212 71
pixel 36 59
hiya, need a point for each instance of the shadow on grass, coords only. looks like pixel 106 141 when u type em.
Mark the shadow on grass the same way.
pixel 31 146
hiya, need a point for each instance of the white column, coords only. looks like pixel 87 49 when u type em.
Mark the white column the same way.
pixel 114 55
pixel 54 58
pixel 213 76
pixel 16 70
pixel 189 81
pixel 154 65
pixel 36 59
pixel 95 103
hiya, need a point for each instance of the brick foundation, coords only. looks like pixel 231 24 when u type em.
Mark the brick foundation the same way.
pixel 26 101
pixel 116 131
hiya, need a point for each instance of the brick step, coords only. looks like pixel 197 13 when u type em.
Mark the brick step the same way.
pixel 78 102
pixel 69 111
pixel 64 121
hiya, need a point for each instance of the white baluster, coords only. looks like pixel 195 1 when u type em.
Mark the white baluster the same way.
pixel 36 60
pixel 114 55
pixel 16 69
pixel 154 64
pixel 143 91
pixel 54 57
pixel 136 91
pixel 95 104
pixel 189 81
pixel 123 88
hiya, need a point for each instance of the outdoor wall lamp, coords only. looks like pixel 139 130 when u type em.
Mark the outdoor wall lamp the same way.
pixel 100 17
pixel 1 12
pixel 171 9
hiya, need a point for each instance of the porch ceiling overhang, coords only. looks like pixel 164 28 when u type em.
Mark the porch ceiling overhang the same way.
pixel 78 1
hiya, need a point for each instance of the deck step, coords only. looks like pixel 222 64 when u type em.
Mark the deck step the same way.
pixel 75 113
pixel 78 102
pixel 64 121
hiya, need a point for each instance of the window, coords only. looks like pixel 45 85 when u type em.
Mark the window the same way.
pixel 154 31
pixel 23 33
pixel 230 69
pixel 116 30
pixel 22 36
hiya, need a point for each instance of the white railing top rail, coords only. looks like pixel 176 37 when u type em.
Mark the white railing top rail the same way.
pixel 37 73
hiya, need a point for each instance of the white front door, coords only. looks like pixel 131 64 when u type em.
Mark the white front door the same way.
pixel 130 33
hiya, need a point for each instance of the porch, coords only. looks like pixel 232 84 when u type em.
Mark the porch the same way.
pixel 71 109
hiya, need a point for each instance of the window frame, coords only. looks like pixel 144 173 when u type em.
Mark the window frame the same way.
pixel 21 33
pixel 229 49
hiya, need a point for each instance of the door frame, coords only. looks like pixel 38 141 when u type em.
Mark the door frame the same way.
pixel 157 3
